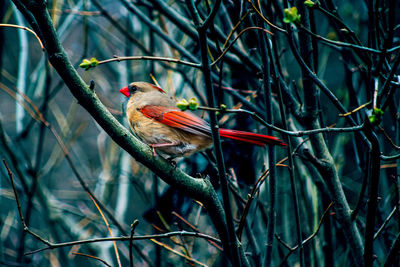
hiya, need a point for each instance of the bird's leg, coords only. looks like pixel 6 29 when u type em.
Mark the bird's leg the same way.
pixel 153 146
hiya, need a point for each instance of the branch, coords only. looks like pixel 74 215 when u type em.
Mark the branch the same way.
pixel 26 29
pixel 210 18
pixel 390 260
pixel 233 245
pixel 234 40
pixel 185 26
pixel 166 59
pixel 283 131
pixel 199 189
pixel 92 257
pixel 339 43
pixel 51 245
pixel 305 241
pixel 385 222
pixel 373 185
pixel 123 238
pixel 133 227
pixel 389 158
pixel 266 20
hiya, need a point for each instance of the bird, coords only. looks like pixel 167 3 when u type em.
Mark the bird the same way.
pixel 155 118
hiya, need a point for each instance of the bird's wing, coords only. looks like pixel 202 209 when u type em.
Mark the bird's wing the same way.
pixel 176 118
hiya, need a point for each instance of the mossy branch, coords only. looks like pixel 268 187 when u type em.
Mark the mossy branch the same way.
pixel 199 189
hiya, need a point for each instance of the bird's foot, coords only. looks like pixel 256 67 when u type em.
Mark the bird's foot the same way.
pixel 154 146
pixel 154 151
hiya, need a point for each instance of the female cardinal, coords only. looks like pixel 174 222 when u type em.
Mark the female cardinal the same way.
pixel 154 118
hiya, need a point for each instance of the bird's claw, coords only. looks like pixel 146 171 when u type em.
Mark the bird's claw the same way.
pixel 154 150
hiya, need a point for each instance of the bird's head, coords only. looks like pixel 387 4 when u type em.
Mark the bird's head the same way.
pixel 139 87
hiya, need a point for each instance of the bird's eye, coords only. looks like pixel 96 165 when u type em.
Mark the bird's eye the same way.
pixel 132 88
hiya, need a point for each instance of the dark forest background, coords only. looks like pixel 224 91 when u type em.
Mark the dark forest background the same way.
pixel 321 75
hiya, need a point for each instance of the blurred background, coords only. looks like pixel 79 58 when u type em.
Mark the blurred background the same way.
pixel 53 183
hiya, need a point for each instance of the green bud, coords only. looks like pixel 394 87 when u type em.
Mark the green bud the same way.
pixel 309 3
pixel 376 116
pixel 378 112
pixel 372 119
pixel 223 106
pixel 291 15
pixel 88 64
pixel 134 224
pixel 182 105
pixel 85 64
pixel 193 104
pixel 94 62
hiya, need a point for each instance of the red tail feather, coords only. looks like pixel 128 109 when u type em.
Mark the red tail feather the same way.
pixel 252 138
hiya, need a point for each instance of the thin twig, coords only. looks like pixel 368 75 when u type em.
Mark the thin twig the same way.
pixel 133 227
pixel 121 238
pixel 234 29
pixel 291 133
pixel 250 197
pixel 10 175
pixel 195 229
pixel 26 29
pixel 382 130
pixel 207 22
pixel 393 253
pixel 21 216
pixel 355 110
pixel 165 59
pixel 305 241
pixel 78 12
pixel 340 22
pixel 385 222
pixel 109 230
pixel 354 213
pixel 338 43
pixel 234 40
pixel 264 19
pixel 92 257
pixel 389 158
pixel 177 252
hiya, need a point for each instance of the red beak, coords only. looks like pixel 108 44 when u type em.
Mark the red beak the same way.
pixel 125 91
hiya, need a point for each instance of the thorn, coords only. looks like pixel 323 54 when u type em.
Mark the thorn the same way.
pixel 92 85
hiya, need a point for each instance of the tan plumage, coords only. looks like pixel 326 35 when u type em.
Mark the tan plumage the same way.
pixel 155 119
pixel 153 132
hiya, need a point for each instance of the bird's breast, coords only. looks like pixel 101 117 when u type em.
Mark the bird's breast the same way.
pixel 150 131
